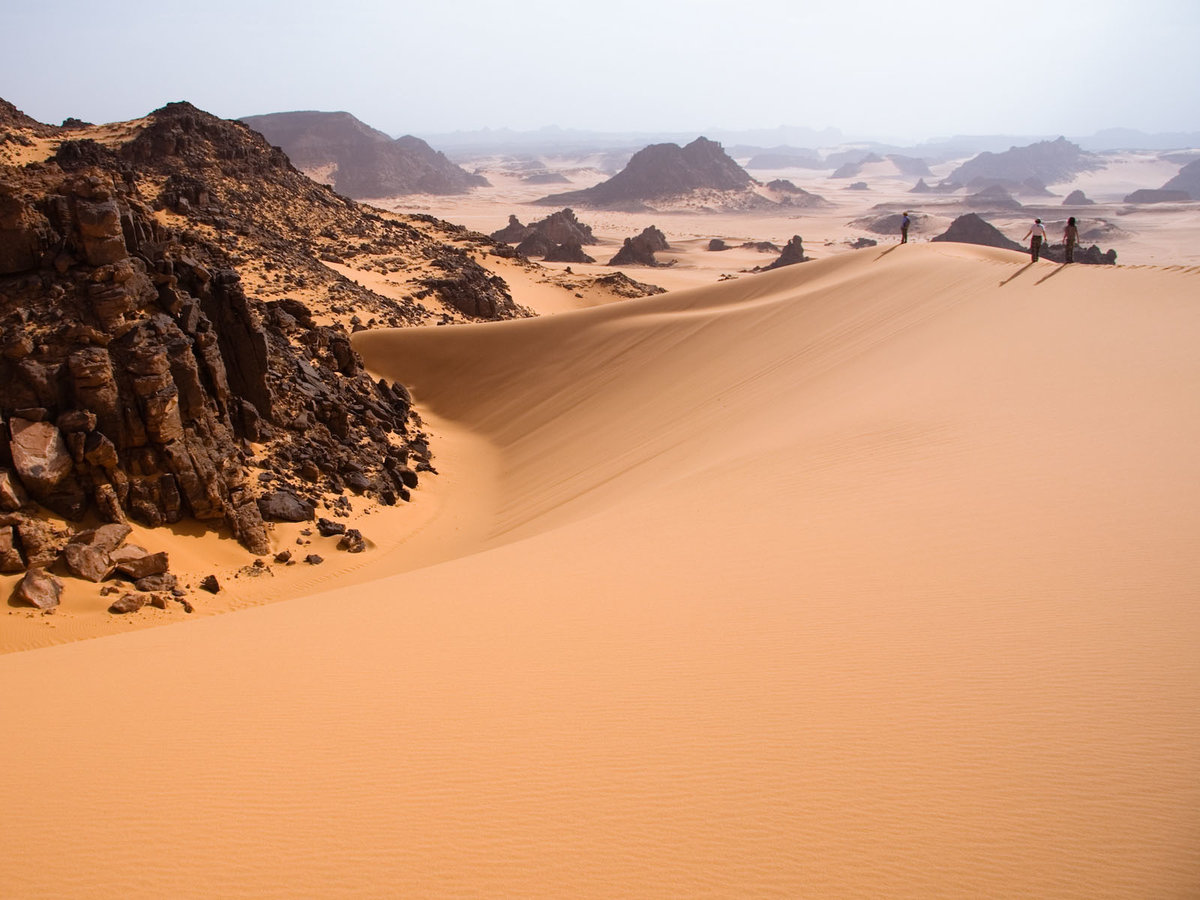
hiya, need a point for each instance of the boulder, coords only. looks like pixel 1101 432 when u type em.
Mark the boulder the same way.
pixel 352 541
pixel 129 603
pixel 328 528
pixel 43 463
pixel 106 537
pixel 163 581
pixel 88 562
pixel 39 589
pixel 284 506
pixel 793 252
pixel 136 562
pixel 12 493
pixel 209 583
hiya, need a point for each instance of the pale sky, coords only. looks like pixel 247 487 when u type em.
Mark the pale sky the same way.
pixel 897 70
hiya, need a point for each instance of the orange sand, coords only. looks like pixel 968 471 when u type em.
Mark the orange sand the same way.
pixel 872 577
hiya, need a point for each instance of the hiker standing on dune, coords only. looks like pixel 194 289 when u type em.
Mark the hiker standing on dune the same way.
pixel 1037 235
pixel 905 221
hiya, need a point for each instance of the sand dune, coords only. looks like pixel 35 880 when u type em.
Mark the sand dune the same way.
pixel 871 577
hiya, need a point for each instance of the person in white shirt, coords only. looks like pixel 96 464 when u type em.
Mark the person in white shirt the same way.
pixel 1037 235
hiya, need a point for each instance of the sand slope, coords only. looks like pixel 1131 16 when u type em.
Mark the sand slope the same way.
pixel 870 577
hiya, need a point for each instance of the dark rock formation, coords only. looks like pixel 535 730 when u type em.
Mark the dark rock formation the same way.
pixel 1077 198
pixel 662 171
pixel 569 252
pixel 858 186
pixel 786 158
pixel 469 288
pixel 1088 256
pixel 352 541
pixel 209 583
pixel 546 178
pixel 971 229
pixel 1188 180
pixel 795 196
pixel 793 252
pixel 512 233
pixel 128 603
pixel 762 247
pixel 366 162
pixel 862 243
pixel 1050 162
pixel 622 285
pixel 716 245
pixel 640 250
pixel 920 188
pixel 1150 195
pixel 851 168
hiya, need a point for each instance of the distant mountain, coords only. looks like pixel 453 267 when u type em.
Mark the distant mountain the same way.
pixel 971 229
pixel 1132 139
pixel 1049 162
pixel 664 172
pixel 359 161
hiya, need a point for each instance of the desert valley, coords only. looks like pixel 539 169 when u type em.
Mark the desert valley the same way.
pixel 384 519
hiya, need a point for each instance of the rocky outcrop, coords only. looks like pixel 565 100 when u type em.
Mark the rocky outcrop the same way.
pixel 920 187
pixel 640 249
pixel 971 229
pixel 1050 162
pixel 1077 198
pixel 468 287
pixel 788 194
pixel 142 381
pixel 792 253
pixel 365 162
pixel 557 238
pixel 662 171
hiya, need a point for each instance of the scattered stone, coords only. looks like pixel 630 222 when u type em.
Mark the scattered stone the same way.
pixel 187 606
pixel 90 563
pixel 162 582
pixel 313 559
pixel 128 603
pixel 328 528
pixel 352 541
pixel 39 589
pixel 209 583
pixel 135 562
pixel 158 601
pixel 283 556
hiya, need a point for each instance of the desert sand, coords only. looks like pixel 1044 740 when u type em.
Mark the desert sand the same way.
pixel 869 577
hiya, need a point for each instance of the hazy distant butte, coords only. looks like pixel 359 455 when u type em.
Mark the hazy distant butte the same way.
pixel 359 161
pixel 663 171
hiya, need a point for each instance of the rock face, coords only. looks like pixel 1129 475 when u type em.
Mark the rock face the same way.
pixel 1077 198
pixel 143 381
pixel 793 252
pixel 971 229
pixel 663 171
pixel 640 250
pixel 1049 162
pixel 365 162
pixel 569 252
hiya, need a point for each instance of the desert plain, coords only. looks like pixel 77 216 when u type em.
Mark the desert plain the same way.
pixel 874 576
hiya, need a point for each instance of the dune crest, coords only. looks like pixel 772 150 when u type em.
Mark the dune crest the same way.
pixel 872 576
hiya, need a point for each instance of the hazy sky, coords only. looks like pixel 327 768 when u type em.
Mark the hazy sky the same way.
pixel 909 69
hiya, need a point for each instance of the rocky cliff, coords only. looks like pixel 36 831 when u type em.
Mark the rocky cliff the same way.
pixel 171 346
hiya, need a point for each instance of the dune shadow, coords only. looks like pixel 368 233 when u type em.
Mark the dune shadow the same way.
pixel 1023 268
pixel 1052 274
pixel 886 252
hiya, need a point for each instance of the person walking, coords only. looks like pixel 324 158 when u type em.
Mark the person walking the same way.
pixel 905 221
pixel 1070 239
pixel 1037 235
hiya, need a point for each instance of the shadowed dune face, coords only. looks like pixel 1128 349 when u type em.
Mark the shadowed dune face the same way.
pixel 868 577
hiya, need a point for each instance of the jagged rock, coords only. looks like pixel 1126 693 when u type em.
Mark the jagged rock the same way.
pixel 535 244
pixel 971 229
pixel 1077 198
pixel 40 542
pixel 283 557
pixel 792 253
pixel 209 583
pixel 158 601
pixel 43 463
pixel 88 562
pixel 136 562
pixel 640 249
pixel 284 506
pixel 107 537
pixel 761 246
pixel 39 589
pixel 512 233
pixel 328 528
pixel 470 289
pixel 12 493
pixel 570 252
pixel 313 559
pixel 128 603
pixel 920 187
pixel 352 541
pixel 10 557
pixel 163 581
